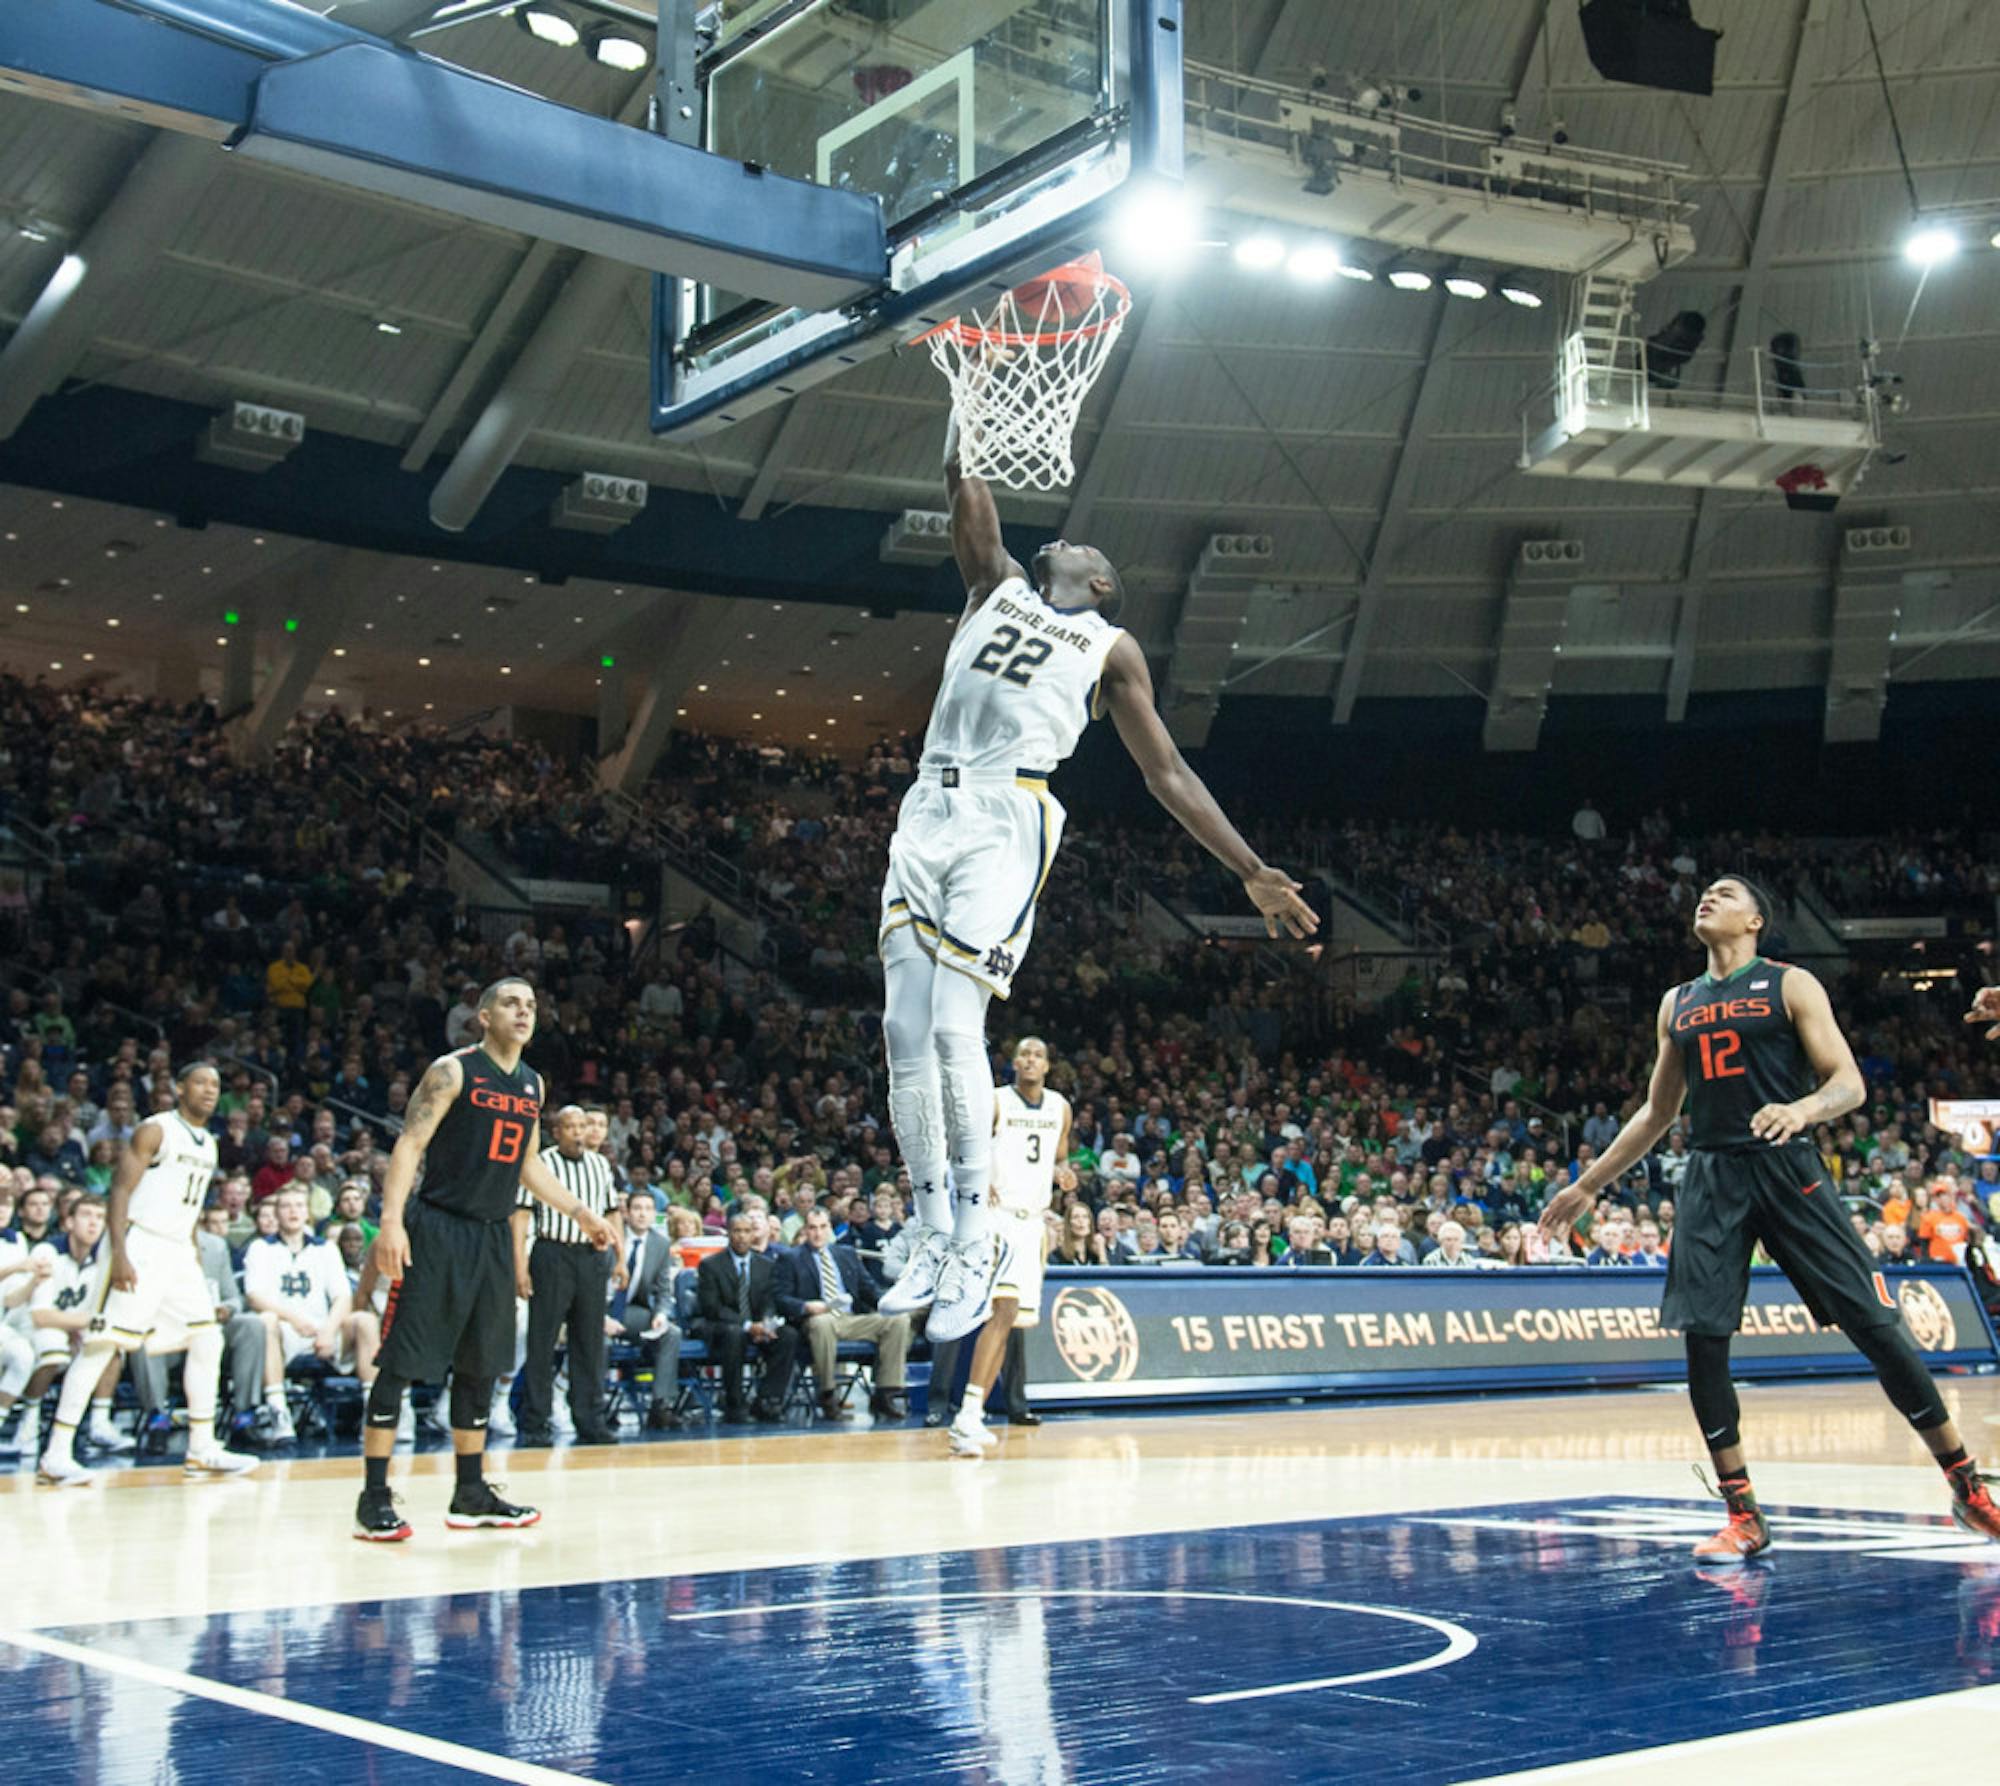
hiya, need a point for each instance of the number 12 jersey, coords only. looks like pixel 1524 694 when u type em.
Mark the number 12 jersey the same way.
pixel 1740 1051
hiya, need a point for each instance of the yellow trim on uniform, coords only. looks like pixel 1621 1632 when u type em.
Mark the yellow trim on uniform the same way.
pixel 1024 778
pixel 1047 865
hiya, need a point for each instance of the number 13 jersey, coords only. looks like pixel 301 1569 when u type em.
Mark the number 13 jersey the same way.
pixel 1020 684
pixel 473 1164
pixel 1740 1051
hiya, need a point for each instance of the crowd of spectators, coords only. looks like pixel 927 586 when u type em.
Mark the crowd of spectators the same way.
pixel 1234 1104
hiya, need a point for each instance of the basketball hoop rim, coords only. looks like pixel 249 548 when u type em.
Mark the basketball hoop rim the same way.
pixel 972 334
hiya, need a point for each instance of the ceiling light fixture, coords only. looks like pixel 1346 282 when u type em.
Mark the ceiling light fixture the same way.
pixel 1259 254
pixel 1930 245
pixel 1313 263
pixel 1353 270
pixel 383 326
pixel 619 49
pixel 549 25
pixel 1516 293
pixel 1463 285
pixel 1158 227
pixel 1409 279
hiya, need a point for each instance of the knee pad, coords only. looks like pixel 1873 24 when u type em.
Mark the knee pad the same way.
pixel 385 1399
pixel 471 1401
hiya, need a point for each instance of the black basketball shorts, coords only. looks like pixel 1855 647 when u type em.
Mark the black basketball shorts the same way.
pixel 455 1306
pixel 1783 1197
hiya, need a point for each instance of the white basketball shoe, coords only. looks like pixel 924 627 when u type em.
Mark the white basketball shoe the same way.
pixel 214 1460
pixel 965 1287
pixel 919 1282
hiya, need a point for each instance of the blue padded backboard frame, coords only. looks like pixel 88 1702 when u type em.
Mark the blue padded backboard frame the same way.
pixel 692 401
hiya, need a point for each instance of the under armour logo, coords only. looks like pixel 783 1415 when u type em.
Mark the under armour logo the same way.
pixel 1000 963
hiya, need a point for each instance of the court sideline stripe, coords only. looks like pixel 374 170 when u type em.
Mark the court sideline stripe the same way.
pixel 243 1699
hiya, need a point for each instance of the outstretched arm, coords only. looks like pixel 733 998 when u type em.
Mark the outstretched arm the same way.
pixel 1128 696
pixel 983 560
pixel 1665 1094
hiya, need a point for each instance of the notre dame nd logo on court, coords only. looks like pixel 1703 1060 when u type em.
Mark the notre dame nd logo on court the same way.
pixel 1929 1316
pixel 1095 1334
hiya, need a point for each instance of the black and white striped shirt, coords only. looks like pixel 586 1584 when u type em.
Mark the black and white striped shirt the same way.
pixel 588 1179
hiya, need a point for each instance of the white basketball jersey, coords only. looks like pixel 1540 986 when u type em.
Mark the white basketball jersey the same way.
pixel 1024 1147
pixel 1020 683
pixel 69 1285
pixel 168 1197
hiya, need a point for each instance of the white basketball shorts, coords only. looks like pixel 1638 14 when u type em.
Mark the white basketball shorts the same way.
pixel 966 865
pixel 172 1295
pixel 1022 1279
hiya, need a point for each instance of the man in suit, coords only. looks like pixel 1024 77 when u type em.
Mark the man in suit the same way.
pixel 737 1291
pixel 828 1294
pixel 643 1312
pixel 242 1339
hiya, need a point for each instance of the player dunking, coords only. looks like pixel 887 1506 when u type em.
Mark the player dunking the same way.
pixel 473 1125
pixel 155 1294
pixel 1031 1134
pixel 1028 668
pixel 1745 1045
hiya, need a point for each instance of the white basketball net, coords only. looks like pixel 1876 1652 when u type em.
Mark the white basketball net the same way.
pixel 1018 381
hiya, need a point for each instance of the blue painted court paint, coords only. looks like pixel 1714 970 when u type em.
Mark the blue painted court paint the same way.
pixel 1490 1636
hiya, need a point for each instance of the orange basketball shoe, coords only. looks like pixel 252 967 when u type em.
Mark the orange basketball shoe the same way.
pixel 1972 1505
pixel 1744 1536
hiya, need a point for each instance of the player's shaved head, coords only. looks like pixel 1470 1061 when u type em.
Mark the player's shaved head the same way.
pixel 491 995
pixel 1110 603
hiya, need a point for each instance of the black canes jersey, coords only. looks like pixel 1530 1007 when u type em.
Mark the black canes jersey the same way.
pixel 472 1167
pixel 1740 1051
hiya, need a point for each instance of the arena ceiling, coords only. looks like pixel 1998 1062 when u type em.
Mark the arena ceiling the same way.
pixel 1371 433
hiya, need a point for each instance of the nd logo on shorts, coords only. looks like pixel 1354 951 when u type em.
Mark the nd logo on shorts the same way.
pixel 1095 1334
pixel 1929 1316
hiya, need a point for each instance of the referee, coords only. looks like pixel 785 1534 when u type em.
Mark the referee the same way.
pixel 572 1286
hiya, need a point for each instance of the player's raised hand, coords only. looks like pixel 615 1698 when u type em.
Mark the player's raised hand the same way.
pixel 1777 1124
pixel 1559 1213
pixel 1276 895
pixel 1986 1009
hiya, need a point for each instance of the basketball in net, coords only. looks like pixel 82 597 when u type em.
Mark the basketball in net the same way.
pixel 1020 373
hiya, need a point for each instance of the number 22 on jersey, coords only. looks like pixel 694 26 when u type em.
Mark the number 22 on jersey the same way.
pixel 1018 669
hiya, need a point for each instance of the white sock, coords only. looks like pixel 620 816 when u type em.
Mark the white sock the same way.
pixel 59 1445
pixel 100 1410
pixel 972 1411
pixel 274 1397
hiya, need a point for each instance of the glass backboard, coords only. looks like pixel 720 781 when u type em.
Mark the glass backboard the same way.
pixel 995 133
